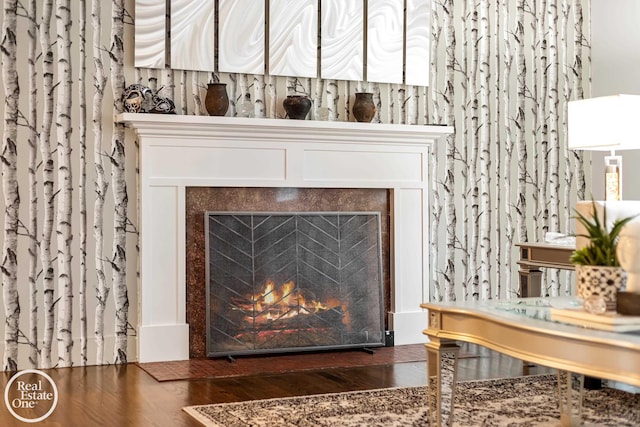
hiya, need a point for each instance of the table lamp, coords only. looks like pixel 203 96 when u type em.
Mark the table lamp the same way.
pixel 612 123
pixel 606 123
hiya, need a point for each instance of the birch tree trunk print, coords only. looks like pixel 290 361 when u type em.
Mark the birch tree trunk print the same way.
pixel 245 95
pixel 485 154
pixel 233 94
pixel 101 183
pixel 449 182
pixel 332 100
pixel 183 93
pixel 10 188
pixel 535 129
pixel 542 113
pixel 554 143
pixel 472 162
pixel 65 191
pixel 33 186
pixel 543 221
pixel 496 138
pixel 466 255
pixel 566 96
pixel 508 146
pixel 273 96
pixel 47 182
pixel 317 99
pixel 153 79
pixel 347 99
pixel 259 103
pixel 197 98
pixel 578 92
pixel 119 187
pixel 434 171
pixel 521 69
pixel 509 229
pixel 377 100
pixel 82 185
pixel 412 115
pixel 169 86
pixel 402 100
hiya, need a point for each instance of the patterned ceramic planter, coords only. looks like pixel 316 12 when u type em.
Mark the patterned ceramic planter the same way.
pixel 596 280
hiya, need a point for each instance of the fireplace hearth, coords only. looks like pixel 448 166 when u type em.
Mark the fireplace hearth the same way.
pixel 280 282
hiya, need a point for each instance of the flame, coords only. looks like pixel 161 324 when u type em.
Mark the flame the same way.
pixel 284 302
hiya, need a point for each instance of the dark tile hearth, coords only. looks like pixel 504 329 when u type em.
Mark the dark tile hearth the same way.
pixel 276 364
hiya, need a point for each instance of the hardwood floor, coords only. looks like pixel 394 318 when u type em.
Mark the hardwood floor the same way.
pixel 127 396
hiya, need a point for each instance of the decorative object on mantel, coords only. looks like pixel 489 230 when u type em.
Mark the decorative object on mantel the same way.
pixel 628 300
pixel 599 275
pixel 161 104
pixel 138 98
pixel 364 108
pixel 134 96
pixel 297 106
pixel 216 101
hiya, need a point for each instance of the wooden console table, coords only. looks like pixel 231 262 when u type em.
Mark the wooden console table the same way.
pixel 534 256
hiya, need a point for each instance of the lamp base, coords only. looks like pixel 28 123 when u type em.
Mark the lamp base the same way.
pixel 628 303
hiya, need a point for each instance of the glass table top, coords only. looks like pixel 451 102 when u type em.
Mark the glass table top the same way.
pixel 543 312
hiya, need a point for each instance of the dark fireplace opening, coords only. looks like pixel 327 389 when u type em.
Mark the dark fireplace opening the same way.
pixel 293 281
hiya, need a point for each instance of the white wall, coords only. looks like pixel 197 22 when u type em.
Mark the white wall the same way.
pixel 615 68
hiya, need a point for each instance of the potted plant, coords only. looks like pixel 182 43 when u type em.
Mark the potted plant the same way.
pixel 598 273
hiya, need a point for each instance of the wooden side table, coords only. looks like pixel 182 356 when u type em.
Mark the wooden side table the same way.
pixel 534 256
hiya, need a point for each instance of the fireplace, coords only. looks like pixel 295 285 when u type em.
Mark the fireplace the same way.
pixel 280 282
pixel 181 152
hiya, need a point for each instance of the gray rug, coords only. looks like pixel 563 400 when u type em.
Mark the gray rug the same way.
pixel 522 401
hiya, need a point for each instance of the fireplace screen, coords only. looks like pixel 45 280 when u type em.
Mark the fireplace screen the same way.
pixel 281 282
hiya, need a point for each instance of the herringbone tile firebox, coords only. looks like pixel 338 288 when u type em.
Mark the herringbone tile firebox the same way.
pixel 293 281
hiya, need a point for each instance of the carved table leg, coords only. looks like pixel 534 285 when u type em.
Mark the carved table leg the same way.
pixel 442 363
pixel 570 398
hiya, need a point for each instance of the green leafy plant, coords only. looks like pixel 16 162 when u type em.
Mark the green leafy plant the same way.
pixel 601 249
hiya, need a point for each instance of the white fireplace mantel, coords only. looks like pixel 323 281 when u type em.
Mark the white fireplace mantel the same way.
pixel 177 152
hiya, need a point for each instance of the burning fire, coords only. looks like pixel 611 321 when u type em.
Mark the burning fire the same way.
pixel 285 302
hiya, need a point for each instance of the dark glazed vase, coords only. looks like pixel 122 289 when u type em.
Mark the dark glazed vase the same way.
pixel 297 106
pixel 363 108
pixel 217 100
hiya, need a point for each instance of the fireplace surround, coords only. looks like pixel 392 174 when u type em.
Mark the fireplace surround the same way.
pixel 177 152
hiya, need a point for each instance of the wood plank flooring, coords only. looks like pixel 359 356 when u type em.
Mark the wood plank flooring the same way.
pixel 128 396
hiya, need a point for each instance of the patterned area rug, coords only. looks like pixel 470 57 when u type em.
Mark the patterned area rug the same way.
pixel 522 401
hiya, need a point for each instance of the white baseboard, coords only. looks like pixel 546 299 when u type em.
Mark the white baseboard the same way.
pixel 408 326
pixel 161 343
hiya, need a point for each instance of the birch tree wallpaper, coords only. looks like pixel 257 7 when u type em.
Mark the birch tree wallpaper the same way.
pixel 501 72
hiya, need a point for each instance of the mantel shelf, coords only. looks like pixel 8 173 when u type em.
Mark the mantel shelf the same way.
pixel 230 128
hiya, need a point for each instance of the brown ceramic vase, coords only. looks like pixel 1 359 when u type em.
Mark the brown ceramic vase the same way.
pixel 297 106
pixel 363 108
pixel 217 100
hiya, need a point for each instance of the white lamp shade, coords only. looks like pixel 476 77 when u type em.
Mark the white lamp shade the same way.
pixel 604 123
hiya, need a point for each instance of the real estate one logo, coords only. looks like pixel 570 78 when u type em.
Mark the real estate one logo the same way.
pixel 31 396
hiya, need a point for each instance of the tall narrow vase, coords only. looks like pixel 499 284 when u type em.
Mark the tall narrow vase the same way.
pixel 363 108
pixel 217 100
